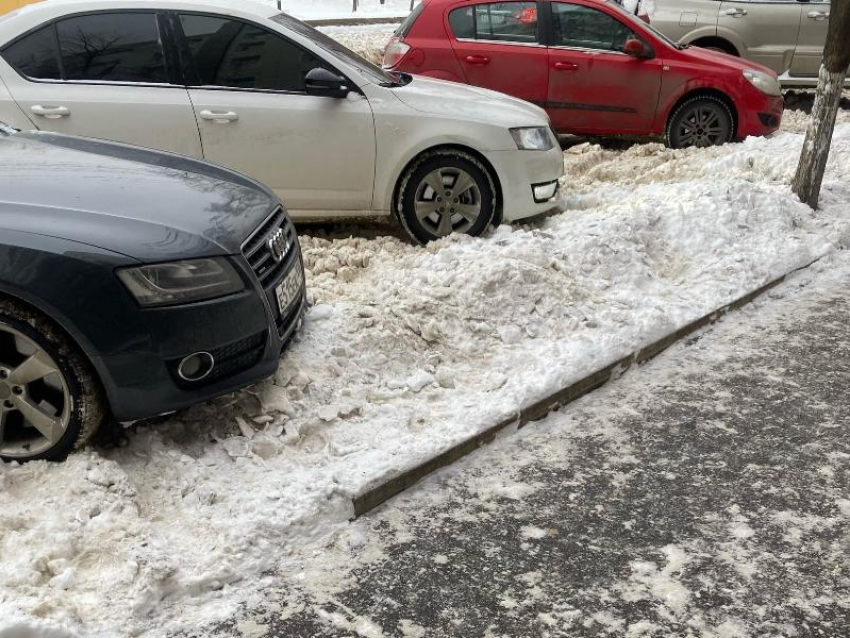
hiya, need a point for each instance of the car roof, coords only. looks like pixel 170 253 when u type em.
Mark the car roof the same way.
pixel 14 23
pixel 442 3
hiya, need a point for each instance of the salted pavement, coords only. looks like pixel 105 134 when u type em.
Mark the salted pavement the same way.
pixel 705 494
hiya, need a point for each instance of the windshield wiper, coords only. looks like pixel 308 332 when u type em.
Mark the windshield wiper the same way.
pixel 7 130
pixel 402 79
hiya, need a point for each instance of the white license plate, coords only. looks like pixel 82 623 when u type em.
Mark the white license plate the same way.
pixel 289 289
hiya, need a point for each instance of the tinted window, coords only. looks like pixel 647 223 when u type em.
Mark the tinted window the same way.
pixel 462 22
pixel 113 47
pixel 35 55
pixel 241 55
pixel 585 28
pixel 511 21
pixel 503 21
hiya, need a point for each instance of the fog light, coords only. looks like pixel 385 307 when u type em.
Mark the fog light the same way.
pixel 545 192
pixel 196 367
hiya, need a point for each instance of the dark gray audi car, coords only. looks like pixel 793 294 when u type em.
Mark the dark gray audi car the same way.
pixel 132 283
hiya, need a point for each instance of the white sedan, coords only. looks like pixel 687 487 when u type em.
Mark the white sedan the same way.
pixel 263 93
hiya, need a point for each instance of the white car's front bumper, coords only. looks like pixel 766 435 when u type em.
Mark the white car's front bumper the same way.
pixel 519 172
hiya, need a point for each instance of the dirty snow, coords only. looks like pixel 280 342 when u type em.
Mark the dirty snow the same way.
pixel 405 352
pixel 341 9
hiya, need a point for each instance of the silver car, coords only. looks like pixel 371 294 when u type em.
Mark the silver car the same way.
pixel 787 36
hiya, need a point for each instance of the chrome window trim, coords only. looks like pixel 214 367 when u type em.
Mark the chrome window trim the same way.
pixel 588 50
pixel 508 42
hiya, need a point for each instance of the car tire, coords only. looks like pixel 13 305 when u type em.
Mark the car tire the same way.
pixel 700 121
pixel 57 387
pixel 429 205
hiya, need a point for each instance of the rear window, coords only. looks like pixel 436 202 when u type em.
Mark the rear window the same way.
pixel 35 56
pixel 499 21
pixel 409 21
pixel 112 47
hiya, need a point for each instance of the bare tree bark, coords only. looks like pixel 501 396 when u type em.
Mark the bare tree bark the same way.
pixel 809 178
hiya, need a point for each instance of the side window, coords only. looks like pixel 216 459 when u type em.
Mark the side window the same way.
pixel 35 56
pixel 112 47
pixel 586 28
pixel 501 21
pixel 462 22
pixel 240 55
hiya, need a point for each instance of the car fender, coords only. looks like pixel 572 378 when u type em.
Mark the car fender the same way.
pixel 28 267
pixel 671 97
pixel 393 159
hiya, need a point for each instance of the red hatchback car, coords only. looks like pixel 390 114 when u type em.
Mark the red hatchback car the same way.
pixel 595 68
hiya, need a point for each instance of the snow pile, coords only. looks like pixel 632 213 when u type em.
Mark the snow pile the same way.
pixel 367 41
pixel 406 352
pixel 337 9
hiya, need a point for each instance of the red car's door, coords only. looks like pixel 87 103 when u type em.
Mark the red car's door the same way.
pixel 498 47
pixel 594 86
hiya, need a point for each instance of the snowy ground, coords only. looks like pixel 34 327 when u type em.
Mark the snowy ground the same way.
pixel 406 351
pixel 704 495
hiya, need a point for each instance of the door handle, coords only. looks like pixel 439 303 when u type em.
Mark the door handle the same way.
pixel 735 13
pixel 219 117
pixel 566 66
pixel 50 112
pixel 477 60
pixel 818 15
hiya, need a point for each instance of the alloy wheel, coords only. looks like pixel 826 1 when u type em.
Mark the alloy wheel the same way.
pixel 35 402
pixel 702 127
pixel 447 200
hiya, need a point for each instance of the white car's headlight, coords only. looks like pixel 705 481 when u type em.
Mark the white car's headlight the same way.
pixel 765 83
pixel 534 138
pixel 181 281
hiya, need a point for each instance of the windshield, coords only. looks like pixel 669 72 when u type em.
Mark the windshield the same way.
pixel 370 71
pixel 643 24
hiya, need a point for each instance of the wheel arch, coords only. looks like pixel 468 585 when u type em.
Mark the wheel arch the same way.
pixel 58 319
pixel 718 42
pixel 704 91
pixel 399 178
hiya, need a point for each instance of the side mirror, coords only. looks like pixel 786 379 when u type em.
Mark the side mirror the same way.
pixel 323 83
pixel 636 48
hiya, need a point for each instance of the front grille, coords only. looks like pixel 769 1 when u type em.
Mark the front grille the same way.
pixel 259 254
pixel 229 360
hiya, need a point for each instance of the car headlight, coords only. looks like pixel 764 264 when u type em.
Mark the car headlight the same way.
pixel 181 281
pixel 764 82
pixel 533 138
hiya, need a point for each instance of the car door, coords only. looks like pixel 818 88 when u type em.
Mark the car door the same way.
pixel 247 86
pixel 103 75
pixel 593 85
pixel 498 47
pixel 814 24
pixel 767 28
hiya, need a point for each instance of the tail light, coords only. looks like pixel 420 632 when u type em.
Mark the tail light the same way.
pixel 644 17
pixel 394 53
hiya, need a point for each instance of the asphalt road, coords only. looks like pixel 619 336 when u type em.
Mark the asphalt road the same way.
pixel 705 494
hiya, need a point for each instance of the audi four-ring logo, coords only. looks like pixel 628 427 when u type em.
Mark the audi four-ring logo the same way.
pixel 278 245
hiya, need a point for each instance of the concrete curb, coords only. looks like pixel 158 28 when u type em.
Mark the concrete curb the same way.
pixel 354 22
pixel 397 484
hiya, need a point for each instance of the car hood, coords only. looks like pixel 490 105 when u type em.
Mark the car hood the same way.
pixel 441 97
pixel 144 204
pixel 703 56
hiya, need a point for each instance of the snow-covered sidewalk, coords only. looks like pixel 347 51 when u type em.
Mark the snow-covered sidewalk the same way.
pixel 406 352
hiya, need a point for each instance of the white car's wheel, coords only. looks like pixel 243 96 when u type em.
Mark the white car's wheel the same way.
pixel 50 400
pixel 446 192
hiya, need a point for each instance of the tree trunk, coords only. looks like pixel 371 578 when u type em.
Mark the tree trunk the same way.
pixel 833 71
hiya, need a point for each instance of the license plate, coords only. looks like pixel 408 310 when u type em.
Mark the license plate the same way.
pixel 289 289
